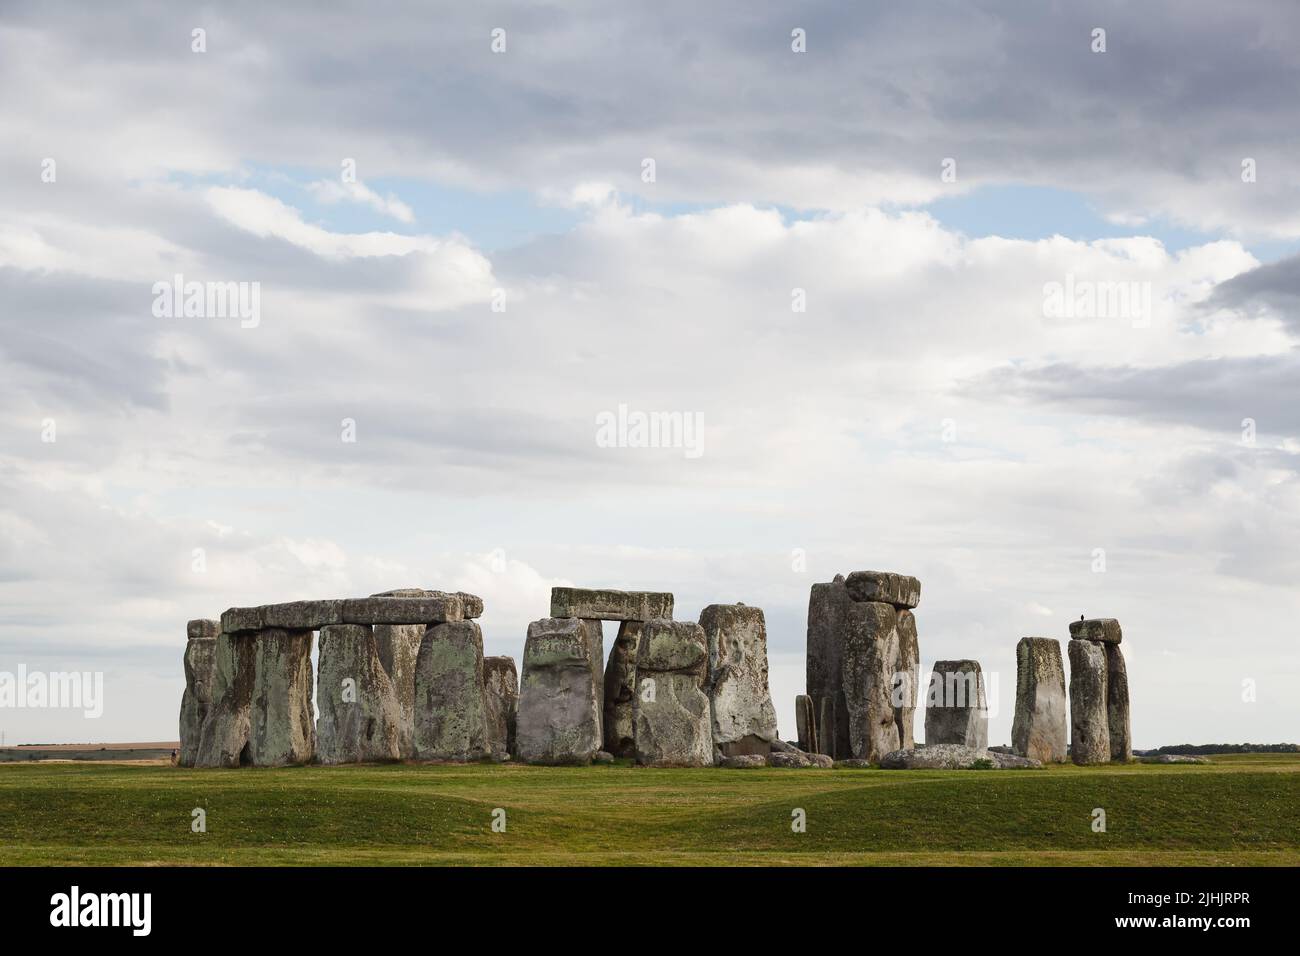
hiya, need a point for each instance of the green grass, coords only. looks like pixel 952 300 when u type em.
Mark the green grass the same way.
pixel 1238 810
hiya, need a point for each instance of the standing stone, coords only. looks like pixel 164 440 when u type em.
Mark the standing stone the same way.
pixel 870 658
pixel 501 702
pixel 805 722
pixel 398 647
pixel 1117 713
pixel 1089 728
pixel 283 728
pixel 907 680
pixel 744 720
pixel 450 717
pixel 359 714
pixel 671 708
pixel 1038 730
pixel 956 710
pixel 200 662
pixel 560 698
pixel 620 688
pixel 828 607
pixel 224 741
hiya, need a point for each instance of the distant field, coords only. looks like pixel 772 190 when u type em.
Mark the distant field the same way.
pixel 1241 809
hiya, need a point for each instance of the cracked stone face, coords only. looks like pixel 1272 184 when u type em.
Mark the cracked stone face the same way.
pixel 450 713
pixel 671 710
pixel 501 700
pixel 359 715
pixel 620 688
pixel 200 665
pixel 743 718
pixel 1039 728
pixel 1089 727
pixel 560 695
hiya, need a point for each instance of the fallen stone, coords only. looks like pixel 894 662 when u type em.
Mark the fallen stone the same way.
pixel 740 704
pixel 620 688
pixel 1117 709
pixel 788 760
pixel 670 711
pixel 1172 758
pixel 954 757
pixel 820 762
pixel 359 717
pixel 1104 629
pixel 560 697
pixel 450 716
pixel 886 587
pixel 870 655
pixel 602 756
pixel 501 703
pixel 744 762
pixel 805 721
pixel 1038 729
pixel 1089 729
pixel 609 605
pixel 956 710
pixel 828 606
pixel 853 763
pixel 200 662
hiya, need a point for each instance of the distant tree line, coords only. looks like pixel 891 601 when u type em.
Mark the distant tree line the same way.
pixel 1199 749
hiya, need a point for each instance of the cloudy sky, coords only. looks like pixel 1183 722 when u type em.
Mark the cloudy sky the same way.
pixel 847 263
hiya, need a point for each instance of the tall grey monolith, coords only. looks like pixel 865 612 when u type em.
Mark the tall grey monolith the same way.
pixel 560 694
pixel 744 720
pixel 1039 728
pixel 671 709
pixel 956 708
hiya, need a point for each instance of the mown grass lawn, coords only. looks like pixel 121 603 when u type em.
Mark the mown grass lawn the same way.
pixel 1239 810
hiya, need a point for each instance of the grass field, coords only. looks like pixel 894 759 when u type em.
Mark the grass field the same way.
pixel 1239 810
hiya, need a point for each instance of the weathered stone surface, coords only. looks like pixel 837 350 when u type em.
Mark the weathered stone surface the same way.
pixel 560 697
pixel 620 688
pixel 471 604
pixel 886 587
pixel 744 762
pixel 200 663
pixel 313 615
pixel 224 741
pixel 828 607
pixel 744 720
pixel 1117 710
pixel 1089 728
pixel 870 657
pixel 671 709
pixel 283 725
pixel 450 716
pixel 202 628
pixel 398 646
pixel 954 757
pixel 1172 758
pixel 359 716
pixel 820 762
pixel 1039 727
pixel 398 610
pixel 956 710
pixel 602 756
pixel 261 701
pixel 501 703
pixel 805 721
pixel 1104 629
pixel 606 605
pixel 853 763
pixel 907 678
pixel 792 761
